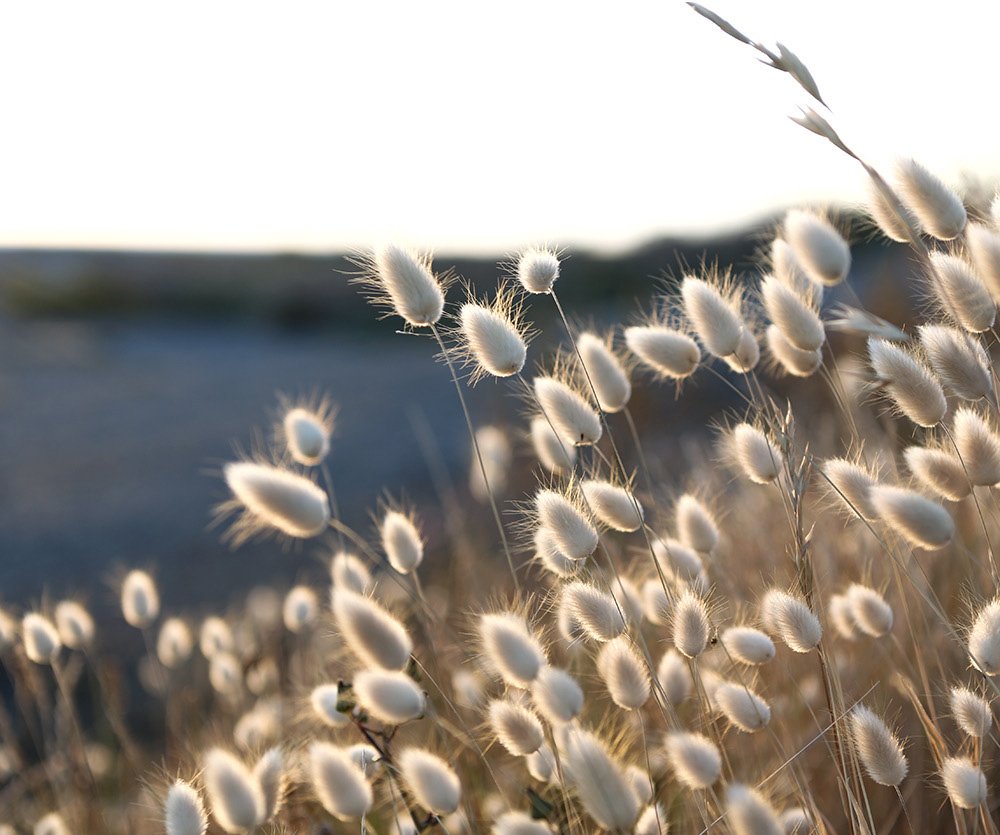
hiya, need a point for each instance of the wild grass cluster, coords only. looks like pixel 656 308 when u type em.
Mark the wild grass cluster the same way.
pixel 794 627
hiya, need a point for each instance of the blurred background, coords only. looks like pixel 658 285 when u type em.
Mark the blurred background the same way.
pixel 180 184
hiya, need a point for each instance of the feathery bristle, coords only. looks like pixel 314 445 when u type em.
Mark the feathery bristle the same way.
pixel 911 386
pixel 878 749
pixel 917 519
pixel 938 208
pixel 818 247
pixel 605 371
pixel 668 352
pixel 571 414
pixel 431 780
pixel 371 633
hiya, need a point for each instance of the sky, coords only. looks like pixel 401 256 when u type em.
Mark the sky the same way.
pixel 465 127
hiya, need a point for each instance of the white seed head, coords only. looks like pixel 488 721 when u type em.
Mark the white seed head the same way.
pixel 971 711
pixel 919 520
pixel 75 625
pixel 878 749
pixel 339 784
pixel 789 358
pixel 401 541
pixel 911 386
pixel 747 353
pixel 652 821
pixel 677 558
pixel 978 447
pixel 965 782
pixel 571 528
pixel 215 636
pixel 365 757
pixel 225 674
pixel 537 270
pixel 961 294
pixel 600 782
pixel 696 526
pixel 791 620
pixel 624 673
pixel 557 456
pixel 898 224
pixel 307 435
pixel 409 284
pixel 958 359
pixel 851 484
pixel 51 824
pixel 548 554
pixel 556 695
pixel 41 638
pixel 468 687
pixel 668 352
pixel 715 318
pixel 348 572
pixel 183 811
pixel 748 812
pixel 324 700
pixel 871 612
pixel 516 727
pixel 140 599
pixel 793 314
pixel 372 634
pixel 511 648
pixel 431 780
pixel 656 605
pixel 174 644
pixel 542 764
pixel 939 471
pixel 757 456
pixel 270 773
pixel 236 796
pixel 984 249
pixel 571 414
pixel 273 497
pixel 389 696
pixel 301 609
pixel 841 614
pixel 938 208
pixel 493 339
pixel 797 821
pixel 691 626
pixel 748 645
pixel 674 677
pixel 594 611
pixel 519 823
pixel 695 760
pixel 741 706
pixel 614 506
pixel 818 247
pixel 606 372
pixel 984 639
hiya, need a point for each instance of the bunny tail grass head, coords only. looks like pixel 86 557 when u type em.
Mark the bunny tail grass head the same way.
pixel 538 270
pixel 596 613
pixel 913 389
pixel 851 484
pixel 371 633
pixel 748 812
pixel 937 207
pixel 691 625
pixel 401 281
pixel 790 619
pixel 741 706
pixel 794 314
pixel 870 610
pixel 519 823
pixel 557 695
pixel 917 519
pixel 624 673
pixel 878 748
pixel 938 471
pixel 401 540
pixel 431 780
pixel 511 648
pixel 306 427
pixel 140 599
pixel 965 782
pixel 694 759
pixel 961 294
pixel 75 625
pixel 674 677
pixel 696 526
pixel 391 697
pixel 971 711
pixel 748 645
pixel 756 455
pixel 714 311
pixel 183 810
pixel 41 638
pixel 615 507
pixel 599 781
pixel 270 772
pixel 236 796
pixel 959 361
pixel 301 609
pixel 570 525
pixel 788 358
pixel 338 782
pixel 324 699
pixel 349 572
pixel 669 353
pixel 818 246
pixel 897 222
pixel 605 371
pixel 984 639
pixel 978 446
pixel 51 824
pixel 267 497
pixel 175 643
pixel 983 245
pixel 516 727
pixel 571 414
pixel 556 455
pixel 492 335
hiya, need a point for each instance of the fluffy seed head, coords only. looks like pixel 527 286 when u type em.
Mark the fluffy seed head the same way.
pixel 668 352
pixel 910 385
pixel 600 782
pixel 307 434
pixel 965 782
pixel 183 811
pixel 694 759
pixel 978 446
pixel 872 613
pixel 919 520
pixel 674 677
pixel 984 638
pixel 557 456
pixel 938 208
pixel 41 638
pixel 676 557
pixel 818 247
pixel 842 616
pixel 516 727
pixel 695 524
pixel 140 599
pixel 851 484
pixel 401 541
pixel 548 554
pixel 270 773
pixel 225 674
pixel 624 673
pixel 511 648
pixel 537 270
pixel 791 620
pixel 51 824
pixel 300 609
pixel 75 625
pixel 984 249
pixel 571 414
pixel 613 505
pixel 339 784
pixel 939 471
pixel 690 624
pixel 878 749
pixel 371 633
pixel 789 358
pixel 757 456
pixel 748 645
pixel 324 700
pixel 174 644
pixel 405 283
pixel 747 353
pixel 431 781
pixel 572 530
pixel 496 454
pixel 793 314
pixel 606 372
pixel 272 497
pixel 557 695
pixel 542 764
pixel 215 636
pixel 971 711
pixel 493 337
pixel 652 821
pixel 961 294
pixel 389 696
pixel 596 613
pixel 519 823
pixel 235 794
pixel 656 605
pixel 749 813
pixel 741 706
pixel 959 361
pixel 349 572
pixel 898 224
pixel 715 318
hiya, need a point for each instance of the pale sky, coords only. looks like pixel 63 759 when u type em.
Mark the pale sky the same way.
pixel 464 126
